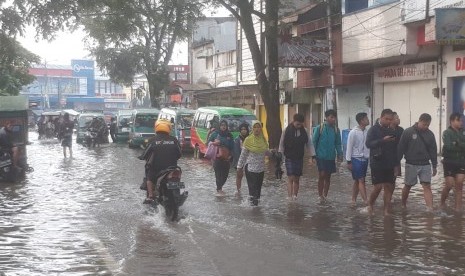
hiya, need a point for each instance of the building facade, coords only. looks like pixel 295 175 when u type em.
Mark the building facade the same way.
pixel 76 86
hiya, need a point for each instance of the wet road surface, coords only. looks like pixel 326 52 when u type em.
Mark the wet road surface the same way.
pixel 83 216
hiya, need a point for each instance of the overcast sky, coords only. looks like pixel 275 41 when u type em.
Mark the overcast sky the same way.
pixel 69 46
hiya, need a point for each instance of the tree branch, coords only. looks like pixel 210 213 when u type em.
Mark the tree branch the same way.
pixel 261 15
pixel 230 9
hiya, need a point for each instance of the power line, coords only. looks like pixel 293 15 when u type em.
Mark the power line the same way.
pixel 371 17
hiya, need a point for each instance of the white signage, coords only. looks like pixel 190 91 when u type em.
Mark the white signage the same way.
pixel 78 67
pixel 456 64
pixel 410 72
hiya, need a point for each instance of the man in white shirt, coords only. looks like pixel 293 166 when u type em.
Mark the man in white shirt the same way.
pixel 357 156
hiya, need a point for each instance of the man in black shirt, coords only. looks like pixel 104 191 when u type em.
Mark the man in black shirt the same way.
pixel 382 142
pixel 163 151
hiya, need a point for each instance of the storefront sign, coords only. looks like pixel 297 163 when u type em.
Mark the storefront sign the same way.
pixel 410 72
pixel 455 64
pixel 299 52
pixel 450 26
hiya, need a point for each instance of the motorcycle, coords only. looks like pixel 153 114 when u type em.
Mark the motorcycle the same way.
pixel 169 188
pixel 91 138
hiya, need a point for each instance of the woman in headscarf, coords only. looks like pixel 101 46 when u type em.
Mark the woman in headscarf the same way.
pixel 238 143
pixel 224 140
pixel 254 149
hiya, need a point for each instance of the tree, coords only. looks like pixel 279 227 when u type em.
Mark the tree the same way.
pixel 133 37
pixel 14 59
pixel 268 82
pixel 15 62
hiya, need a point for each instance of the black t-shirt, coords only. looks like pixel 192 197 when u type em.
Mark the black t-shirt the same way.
pixel 383 155
pixel 164 151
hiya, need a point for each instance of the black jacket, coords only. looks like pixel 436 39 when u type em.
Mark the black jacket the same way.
pixel 383 155
pixel 163 151
pixel 294 142
pixel 418 147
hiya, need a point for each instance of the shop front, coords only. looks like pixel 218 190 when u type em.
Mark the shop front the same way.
pixel 409 90
pixel 455 73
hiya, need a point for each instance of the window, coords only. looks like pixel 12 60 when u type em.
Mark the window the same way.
pixel 196 118
pixel 349 6
pixel 202 120
pixel 185 121
pixel 146 120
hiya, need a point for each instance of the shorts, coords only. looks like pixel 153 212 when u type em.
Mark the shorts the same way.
pixel 294 167
pixel 451 169
pixel 67 141
pixel 415 172
pixel 359 168
pixel 328 166
pixel 379 176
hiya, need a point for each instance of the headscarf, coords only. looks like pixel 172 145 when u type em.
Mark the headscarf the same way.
pixel 221 132
pixel 256 143
pixel 243 125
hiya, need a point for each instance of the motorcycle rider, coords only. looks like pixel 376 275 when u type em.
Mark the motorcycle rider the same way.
pixel 163 151
pixel 6 143
pixel 98 125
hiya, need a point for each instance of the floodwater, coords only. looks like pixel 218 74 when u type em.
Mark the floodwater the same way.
pixel 83 216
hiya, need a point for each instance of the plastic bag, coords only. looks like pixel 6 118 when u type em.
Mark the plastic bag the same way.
pixel 211 151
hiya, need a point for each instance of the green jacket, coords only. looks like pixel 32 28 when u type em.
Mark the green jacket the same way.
pixel 453 149
pixel 327 142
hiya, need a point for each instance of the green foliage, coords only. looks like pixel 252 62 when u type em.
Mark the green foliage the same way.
pixel 15 62
pixel 138 37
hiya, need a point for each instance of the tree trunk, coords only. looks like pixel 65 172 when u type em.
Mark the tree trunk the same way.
pixel 154 89
pixel 273 123
pixel 268 91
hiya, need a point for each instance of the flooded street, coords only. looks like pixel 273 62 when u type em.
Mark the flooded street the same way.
pixel 83 216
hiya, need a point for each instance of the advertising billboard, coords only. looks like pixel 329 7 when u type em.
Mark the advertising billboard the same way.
pixel 450 26
pixel 300 52
pixel 84 69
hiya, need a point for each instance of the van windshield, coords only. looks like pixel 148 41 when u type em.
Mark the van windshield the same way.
pixel 234 121
pixel 185 121
pixel 84 121
pixel 123 120
pixel 145 120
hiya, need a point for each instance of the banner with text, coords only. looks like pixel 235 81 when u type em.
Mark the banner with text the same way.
pixel 300 52
pixel 410 72
pixel 450 26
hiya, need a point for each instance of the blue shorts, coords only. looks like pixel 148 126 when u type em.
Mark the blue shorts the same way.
pixel 359 168
pixel 328 166
pixel 294 167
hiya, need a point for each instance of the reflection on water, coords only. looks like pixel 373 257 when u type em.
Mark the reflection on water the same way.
pixel 83 216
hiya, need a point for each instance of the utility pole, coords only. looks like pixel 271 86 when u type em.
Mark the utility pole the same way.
pixel 331 63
